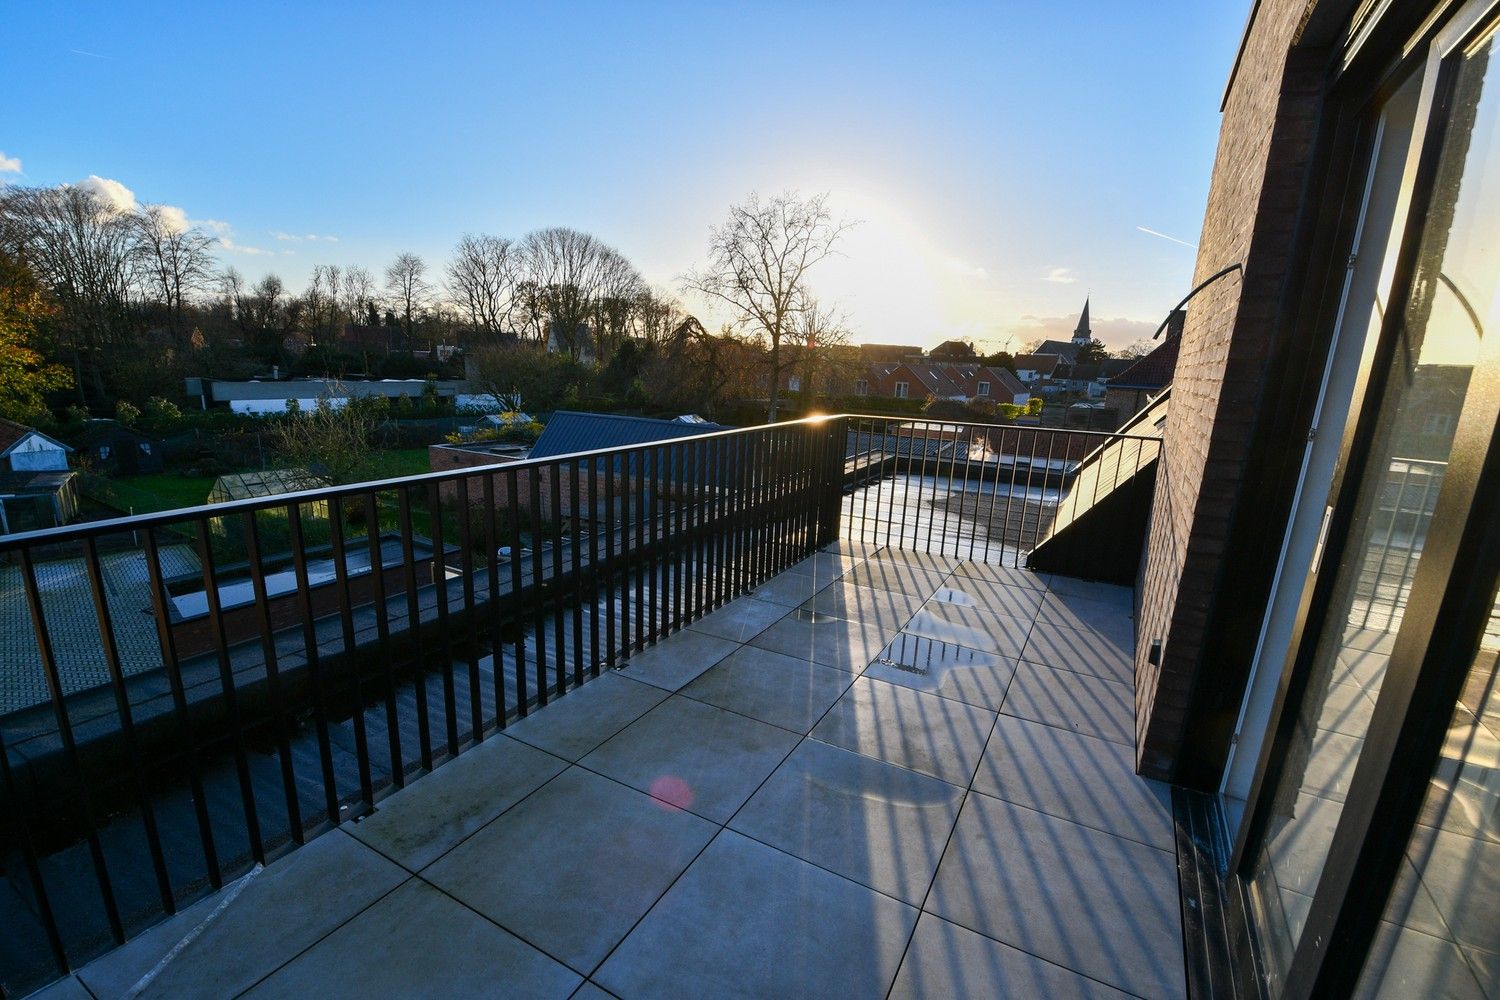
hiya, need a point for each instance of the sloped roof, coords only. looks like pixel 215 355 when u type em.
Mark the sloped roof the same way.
pixel 570 431
pixel 1043 363
pixel 12 434
pixel 1064 349
pixel 1152 371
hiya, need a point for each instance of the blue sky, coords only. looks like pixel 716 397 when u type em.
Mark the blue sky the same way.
pixel 1000 156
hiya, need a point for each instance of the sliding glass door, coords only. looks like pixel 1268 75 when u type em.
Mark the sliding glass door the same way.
pixel 1406 507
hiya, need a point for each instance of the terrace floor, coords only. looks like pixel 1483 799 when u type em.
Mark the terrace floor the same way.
pixel 882 773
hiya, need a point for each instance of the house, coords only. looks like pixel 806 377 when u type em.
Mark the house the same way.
pixel 958 382
pixel 888 353
pixel 110 447
pixel 953 350
pixel 261 396
pixel 26 449
pixel 1032 368
pixel 1128 392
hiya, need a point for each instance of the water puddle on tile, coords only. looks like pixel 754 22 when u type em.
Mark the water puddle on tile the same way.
pixel 812 617
pixel 949 595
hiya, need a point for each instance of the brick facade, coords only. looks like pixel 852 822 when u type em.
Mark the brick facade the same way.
pixel 1266 143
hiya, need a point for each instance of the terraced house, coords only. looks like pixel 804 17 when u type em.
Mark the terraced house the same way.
pixel 853 705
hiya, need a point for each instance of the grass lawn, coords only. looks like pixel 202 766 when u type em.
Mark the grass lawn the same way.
pixel 400 462
pixel 150 493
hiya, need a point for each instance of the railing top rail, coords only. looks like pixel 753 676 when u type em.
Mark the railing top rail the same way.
pixel 138 522
pixel 916 419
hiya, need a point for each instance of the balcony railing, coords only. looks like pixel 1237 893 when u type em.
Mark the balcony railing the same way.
pixel 190 693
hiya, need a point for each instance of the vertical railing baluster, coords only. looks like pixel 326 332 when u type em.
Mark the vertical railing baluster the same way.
pixel 492 574
pixel 594 589
pixel 440 609
pixel 356 670
pixel 614 525
pixel 25 841
pixel 376 544
pixel 184 732
pixel 314 660
pixel 576 563
pixel 555 588
pixel 282 720
pixel 464 512
pixel 92 817
pixel 231 698
pixel 414 628
pixel 517 570
pixel 138 777
pixel 538 600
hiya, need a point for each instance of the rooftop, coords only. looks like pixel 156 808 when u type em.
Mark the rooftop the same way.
pixel 881 772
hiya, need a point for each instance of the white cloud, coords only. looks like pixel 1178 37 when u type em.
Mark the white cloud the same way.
pixel 111 192
pixel 175 218
pixel 288 253
pixel 962 267
pixel 310 237
pixel 1060 275
pixel 9 164
pixel 233 247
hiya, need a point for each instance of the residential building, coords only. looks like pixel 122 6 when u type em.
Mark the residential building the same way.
pixel 1033 368
pixel 1128 392
pixel 952 381
pixel 112 448
pixel 26 449
pixel 257 397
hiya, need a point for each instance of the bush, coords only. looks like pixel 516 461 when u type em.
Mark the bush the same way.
pixel 1034 406
pixel 162 410
pixel 127 412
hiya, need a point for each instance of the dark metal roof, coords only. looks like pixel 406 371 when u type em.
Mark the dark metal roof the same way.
pixel 569 431
pixel 1152 371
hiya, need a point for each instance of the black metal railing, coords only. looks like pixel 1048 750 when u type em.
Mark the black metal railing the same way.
pixel 186 694
pixel 991 492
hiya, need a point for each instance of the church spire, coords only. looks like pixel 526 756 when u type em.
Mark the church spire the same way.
pixel 1082 335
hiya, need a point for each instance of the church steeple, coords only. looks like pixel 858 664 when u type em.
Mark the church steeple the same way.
pixel 1082 335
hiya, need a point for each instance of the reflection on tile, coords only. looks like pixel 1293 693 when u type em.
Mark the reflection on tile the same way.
pixel 970 627
pixel 972 676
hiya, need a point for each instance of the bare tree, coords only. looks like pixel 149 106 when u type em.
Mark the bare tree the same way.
pixel 322 305
pixel 406 283
pixel 657 316
pixel 357 292
pixel 620 286
pixel 175 261
pixel 328 445
pixel 570 272
pixel 758 263
pixel 81 246
pixel 823 335
pixel 482 281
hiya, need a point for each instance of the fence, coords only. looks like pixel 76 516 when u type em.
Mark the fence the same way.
pixel 192 692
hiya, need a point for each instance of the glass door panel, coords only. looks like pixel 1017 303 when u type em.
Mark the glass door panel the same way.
pixel 1453 299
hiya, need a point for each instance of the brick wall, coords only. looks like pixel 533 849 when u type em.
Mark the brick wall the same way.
pixel 1265 146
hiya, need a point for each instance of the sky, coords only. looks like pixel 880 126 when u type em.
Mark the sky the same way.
pixel 1002 160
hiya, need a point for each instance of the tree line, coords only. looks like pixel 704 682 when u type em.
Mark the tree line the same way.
pixel 114 303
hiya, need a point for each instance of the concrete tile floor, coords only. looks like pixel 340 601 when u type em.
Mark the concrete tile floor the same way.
pixel 784 803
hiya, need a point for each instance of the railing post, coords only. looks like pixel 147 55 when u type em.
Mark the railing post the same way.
pixel 830 507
